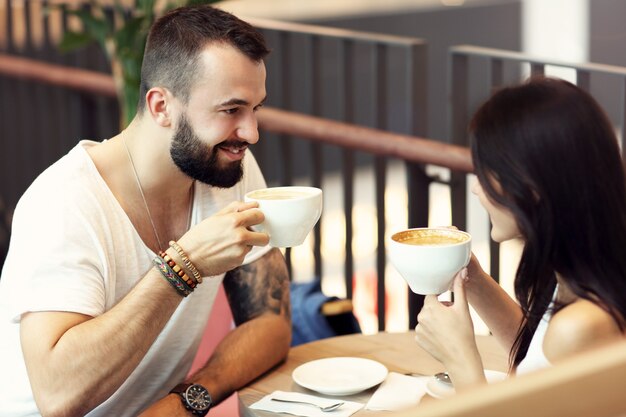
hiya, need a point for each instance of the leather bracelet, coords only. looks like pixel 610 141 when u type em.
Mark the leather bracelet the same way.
pixel 172 277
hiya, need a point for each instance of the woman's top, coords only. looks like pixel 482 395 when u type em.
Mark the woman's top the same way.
pixel 535 359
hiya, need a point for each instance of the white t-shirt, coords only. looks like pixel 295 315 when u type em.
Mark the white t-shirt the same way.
pixel 74 249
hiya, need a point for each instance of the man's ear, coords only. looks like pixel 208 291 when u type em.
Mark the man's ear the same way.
pixel 158 104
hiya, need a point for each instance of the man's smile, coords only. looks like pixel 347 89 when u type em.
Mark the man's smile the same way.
pixel 233 150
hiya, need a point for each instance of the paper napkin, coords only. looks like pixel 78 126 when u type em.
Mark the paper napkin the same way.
pixel 398 392
pixel 266 404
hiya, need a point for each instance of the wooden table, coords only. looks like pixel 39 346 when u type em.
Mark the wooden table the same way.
pixel 397 351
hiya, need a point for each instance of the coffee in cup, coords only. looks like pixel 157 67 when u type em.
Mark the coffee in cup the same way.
pixel 429 258
pixel 278 193
pixel 290 213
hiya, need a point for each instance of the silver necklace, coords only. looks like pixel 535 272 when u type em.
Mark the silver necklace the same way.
pixel 143 197
pixel 145 203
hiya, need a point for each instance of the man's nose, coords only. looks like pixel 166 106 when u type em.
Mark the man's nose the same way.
pixel 248 130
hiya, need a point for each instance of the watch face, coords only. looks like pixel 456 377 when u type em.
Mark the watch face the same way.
pixel 198 398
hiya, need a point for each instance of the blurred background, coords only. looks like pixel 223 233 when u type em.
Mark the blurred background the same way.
pixel 367 195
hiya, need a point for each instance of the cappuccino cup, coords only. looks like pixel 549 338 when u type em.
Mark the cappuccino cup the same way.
pixel 290 213
pixel 429 258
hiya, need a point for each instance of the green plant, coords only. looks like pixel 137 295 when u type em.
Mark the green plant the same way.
pixel 122 34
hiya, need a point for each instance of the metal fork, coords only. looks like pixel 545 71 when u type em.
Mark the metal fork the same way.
pixel 330 407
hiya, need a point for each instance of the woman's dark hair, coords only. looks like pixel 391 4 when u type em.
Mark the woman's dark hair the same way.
pixel 176 40
pixel 554 155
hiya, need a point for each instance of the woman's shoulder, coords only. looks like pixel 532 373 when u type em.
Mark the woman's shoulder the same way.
pixel 577 327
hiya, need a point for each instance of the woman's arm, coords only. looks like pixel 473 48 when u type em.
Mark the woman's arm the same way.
pixel 446 331
pixel 495 307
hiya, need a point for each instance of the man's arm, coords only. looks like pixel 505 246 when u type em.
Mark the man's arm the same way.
pixel 75 361
pixel 258 295
pixel 261 287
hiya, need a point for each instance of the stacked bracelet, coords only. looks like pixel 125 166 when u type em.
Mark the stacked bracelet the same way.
pixel 171 276
pixel 190 267
pixel 189 282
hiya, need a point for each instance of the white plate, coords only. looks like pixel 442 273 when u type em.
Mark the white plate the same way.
pixel 339 376
pixel 438 389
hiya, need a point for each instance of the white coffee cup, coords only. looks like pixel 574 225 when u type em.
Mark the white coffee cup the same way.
pixel 290 213
pixel 429 258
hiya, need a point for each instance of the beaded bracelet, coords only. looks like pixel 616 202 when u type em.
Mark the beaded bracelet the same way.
pixel 171 276
pixel 191 267
pixel 189 282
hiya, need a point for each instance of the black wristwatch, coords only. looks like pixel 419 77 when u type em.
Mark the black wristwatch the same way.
pixel 195 398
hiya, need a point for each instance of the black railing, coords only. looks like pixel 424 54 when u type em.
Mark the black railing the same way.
pixel 408 148
pixel 499 68
pixel 367 79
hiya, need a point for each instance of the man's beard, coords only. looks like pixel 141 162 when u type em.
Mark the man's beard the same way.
pixel 192 157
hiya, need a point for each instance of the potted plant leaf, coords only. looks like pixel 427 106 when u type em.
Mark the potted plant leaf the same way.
pixel 121 32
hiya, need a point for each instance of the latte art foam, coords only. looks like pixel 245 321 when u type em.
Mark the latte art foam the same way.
pixel 430 237
pixel 277 195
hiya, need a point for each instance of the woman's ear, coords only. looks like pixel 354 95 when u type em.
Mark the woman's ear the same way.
pixel 158 102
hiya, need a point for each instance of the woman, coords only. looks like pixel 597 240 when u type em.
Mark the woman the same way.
pixel 549 172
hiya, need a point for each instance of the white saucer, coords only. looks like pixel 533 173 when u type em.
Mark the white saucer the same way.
pixel 340 376
pixel 438 389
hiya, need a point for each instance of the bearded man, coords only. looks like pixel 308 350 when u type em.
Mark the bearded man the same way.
pixel 118 249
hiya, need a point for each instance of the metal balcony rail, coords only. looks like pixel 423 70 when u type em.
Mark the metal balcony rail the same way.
pixel 361 78
pixel 345 69
pixel 385 144
pixel 500 67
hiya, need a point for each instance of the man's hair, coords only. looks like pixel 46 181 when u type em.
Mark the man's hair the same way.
pixel 171 57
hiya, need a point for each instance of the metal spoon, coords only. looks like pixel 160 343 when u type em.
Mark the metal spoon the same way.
pixel 443 377
pixel 330 407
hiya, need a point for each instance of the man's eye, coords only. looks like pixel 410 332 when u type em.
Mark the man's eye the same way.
pixel 258 107
pixel 231 111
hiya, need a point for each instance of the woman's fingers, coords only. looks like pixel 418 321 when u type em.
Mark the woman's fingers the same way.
pixel 464 275
pixel 459 290
pixel 447 227
pixel 430 299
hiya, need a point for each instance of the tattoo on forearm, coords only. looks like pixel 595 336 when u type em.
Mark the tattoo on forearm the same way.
pixel 259 287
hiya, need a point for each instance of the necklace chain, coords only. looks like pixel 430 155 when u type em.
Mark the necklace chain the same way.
pixel 143 197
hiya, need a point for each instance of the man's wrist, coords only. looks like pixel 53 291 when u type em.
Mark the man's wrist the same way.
pixel 194 397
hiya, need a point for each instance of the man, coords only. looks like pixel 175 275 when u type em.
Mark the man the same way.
pixel 118 249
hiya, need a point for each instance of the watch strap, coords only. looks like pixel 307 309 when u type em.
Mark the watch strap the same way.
pixel 180 388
